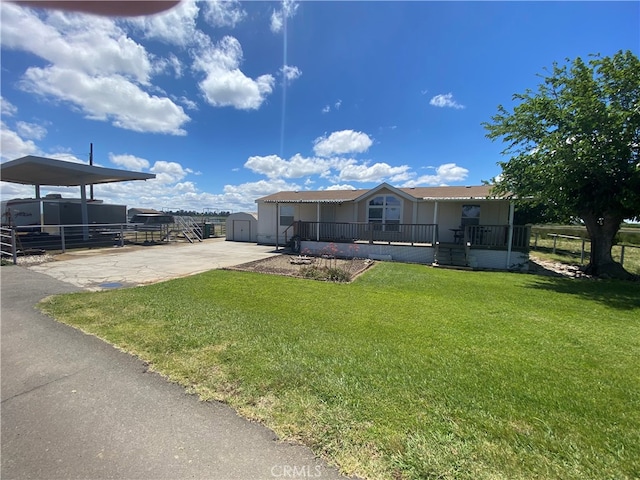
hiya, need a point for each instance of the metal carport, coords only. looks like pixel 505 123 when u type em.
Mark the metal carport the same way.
pixel 39 171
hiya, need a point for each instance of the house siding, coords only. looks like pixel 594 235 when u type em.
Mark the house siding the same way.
pixel 480 259
pixel 267 217
pixel 397 253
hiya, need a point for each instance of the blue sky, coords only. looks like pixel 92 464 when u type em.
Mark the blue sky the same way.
pixel 230 101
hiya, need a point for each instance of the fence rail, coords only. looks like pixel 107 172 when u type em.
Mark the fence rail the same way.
pixel 585 251
pixel 34 239
pixel 346 232
pixel 475 236
pixel 8 244
pixel 497 236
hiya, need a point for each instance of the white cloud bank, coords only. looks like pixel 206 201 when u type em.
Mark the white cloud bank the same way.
pixel 93 65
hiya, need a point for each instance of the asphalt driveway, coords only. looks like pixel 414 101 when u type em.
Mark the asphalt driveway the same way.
pixel 75 407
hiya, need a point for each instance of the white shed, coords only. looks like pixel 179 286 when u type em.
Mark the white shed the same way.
pixel 242 227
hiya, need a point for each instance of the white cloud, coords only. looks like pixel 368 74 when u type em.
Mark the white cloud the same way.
pixel 84 43
pixel 176 26
pixel 276 21
pixel 31 130
pixel 14 146
pixel 445 100
pixel 336 106
pixel 345 141
pixel 112 97
pixel 130 162
pixel 344 186
pixel 290 73
pixel 168 64
pixel 15 190
pixel 296 167
pixel 450 172
pixel 253 190
pixel 224 13
pixel 168 172
pixel 190 104
pixel 225 85
pixel 7 108
pixel 278 17
pixel 377 173
pixel 94 66
pixel 445 173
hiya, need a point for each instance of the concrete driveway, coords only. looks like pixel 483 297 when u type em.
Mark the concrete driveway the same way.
pixel 100 269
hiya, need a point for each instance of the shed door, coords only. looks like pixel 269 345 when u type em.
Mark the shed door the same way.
pixel 241 230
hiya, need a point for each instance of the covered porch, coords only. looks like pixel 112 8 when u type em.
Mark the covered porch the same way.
pixel 474 246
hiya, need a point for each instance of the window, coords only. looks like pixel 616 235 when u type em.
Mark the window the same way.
pixel 286 215
pixel 470 215
pixel 385 210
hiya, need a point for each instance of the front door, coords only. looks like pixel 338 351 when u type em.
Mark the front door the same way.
pixel 327 220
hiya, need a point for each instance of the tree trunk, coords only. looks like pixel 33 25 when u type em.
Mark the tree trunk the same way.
pixel 602 231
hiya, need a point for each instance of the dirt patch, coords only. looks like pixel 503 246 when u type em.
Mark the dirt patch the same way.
pixel 555 269
pixel 295 266
pixel 286 264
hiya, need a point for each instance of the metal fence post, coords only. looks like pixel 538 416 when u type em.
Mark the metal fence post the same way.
pixel 622 256
pixel 64 249
pixel 582 253
pixel 555 238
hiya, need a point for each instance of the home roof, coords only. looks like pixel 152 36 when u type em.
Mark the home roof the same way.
pixel 32 170
pixel 478 192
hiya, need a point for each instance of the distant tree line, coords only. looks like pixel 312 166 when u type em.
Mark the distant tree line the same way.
pixel 193 213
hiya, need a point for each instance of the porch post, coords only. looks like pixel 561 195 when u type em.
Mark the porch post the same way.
pixel 277 223
pixel 435 221
pixel 510 236
pixel 318 222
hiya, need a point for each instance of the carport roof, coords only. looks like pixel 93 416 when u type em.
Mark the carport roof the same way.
pixel 32 170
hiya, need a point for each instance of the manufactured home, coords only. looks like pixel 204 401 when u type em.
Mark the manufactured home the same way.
pixel 460 225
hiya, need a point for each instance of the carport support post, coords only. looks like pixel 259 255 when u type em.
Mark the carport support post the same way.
pixel 84 211
pixel 41 207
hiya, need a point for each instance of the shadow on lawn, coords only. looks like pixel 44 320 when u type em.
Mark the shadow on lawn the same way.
pixel 615 294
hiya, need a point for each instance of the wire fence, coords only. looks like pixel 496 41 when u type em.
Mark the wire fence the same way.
pixel 579 247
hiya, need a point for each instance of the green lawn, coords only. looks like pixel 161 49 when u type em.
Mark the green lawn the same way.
pixel 409 372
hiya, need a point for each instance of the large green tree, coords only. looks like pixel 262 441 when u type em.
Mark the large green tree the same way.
pixel 573 148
